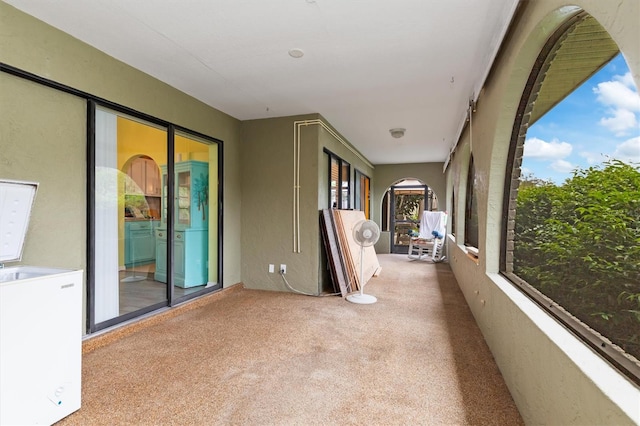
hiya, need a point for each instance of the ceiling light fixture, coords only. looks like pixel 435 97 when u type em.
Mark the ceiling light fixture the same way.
pixel 398 132
pixel 296 53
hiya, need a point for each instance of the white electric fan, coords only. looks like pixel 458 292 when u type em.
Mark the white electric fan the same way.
pixel 365 233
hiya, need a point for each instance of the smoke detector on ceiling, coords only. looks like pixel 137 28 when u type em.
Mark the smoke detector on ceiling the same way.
pixel 398 132
pixel 296 53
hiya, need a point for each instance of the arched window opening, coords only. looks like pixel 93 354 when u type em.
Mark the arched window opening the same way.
pixel 572 196
pixel 471 209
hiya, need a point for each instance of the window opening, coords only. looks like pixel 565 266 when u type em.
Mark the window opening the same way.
pixel 386 210
pixel 362 195
pixel 345 186
pixel 471 209
pixel 573 215
pixel 339 182
pixel 453 211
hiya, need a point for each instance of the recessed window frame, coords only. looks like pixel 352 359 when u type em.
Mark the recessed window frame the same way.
pixel 471 237
pixel 362 192
pixel 598 343
pixel 343 182
pixel 454 209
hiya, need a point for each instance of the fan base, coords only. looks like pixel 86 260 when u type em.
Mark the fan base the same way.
pixel 133 278
pixel 361 299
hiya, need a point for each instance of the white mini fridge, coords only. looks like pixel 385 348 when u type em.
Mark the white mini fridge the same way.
pixel 40 324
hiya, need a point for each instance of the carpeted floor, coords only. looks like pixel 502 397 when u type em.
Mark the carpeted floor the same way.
pixel 266 358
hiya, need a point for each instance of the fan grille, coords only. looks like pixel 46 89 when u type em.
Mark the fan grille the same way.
pixel 366 233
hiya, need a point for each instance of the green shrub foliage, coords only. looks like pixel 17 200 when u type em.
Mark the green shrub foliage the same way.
pixel 407 206
pixel 579 244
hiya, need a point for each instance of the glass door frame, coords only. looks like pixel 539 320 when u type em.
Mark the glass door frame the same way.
pixel 393 222
pixel 171 300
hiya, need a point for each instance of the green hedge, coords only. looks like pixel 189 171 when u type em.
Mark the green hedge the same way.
pixel 579 244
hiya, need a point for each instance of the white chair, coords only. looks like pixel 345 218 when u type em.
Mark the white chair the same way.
pixel 430 241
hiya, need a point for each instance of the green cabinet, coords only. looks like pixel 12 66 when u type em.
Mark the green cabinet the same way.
pixel 189 255
pixel 140 242
pixel 191 216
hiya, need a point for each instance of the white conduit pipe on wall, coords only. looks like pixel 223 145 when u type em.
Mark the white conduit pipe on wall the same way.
pixel 296 187
pixel 471 111
pixel 469 115
pixel 296 170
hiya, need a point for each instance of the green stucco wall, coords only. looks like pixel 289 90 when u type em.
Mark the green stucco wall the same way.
pixel 389 174
pixel 45 150
pixel 43 134
pixel 267 205
pixel 267 200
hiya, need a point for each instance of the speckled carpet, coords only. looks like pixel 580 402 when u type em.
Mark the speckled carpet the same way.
pixel 416 357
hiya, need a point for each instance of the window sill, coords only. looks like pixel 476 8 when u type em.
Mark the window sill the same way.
pixel 472 253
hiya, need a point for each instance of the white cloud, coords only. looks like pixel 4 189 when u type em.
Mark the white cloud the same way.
pixel 621 121
pixel 628 150
pixel 619 94
pixel 626 79
pixel 562 166
pixel 541 150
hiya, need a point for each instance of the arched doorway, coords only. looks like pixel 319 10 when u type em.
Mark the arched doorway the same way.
pixel 402 205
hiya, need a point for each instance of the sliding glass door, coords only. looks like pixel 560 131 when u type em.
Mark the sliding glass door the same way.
pixel 155 218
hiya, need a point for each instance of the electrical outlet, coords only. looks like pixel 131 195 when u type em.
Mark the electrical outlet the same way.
pixel 272 268
pixel 283 268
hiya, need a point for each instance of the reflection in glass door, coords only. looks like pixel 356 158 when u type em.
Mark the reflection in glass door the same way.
pixel 192 214
pixel 127 211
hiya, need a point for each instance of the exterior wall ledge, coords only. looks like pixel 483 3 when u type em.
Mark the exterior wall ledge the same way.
pixel 607 379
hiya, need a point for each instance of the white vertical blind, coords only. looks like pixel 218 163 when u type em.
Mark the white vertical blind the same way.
pixel 106 218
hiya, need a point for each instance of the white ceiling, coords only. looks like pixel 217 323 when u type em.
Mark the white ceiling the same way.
pixel 368 66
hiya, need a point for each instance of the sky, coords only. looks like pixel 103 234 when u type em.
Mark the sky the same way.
pixel 600 120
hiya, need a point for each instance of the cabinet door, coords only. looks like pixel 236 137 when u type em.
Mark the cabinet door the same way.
pixel 152 178
pixel 161 256
pixel 137 173
pixel 183 205
pixel 127 244
pixel 143 246
pixel 179 259
pixel 165 192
